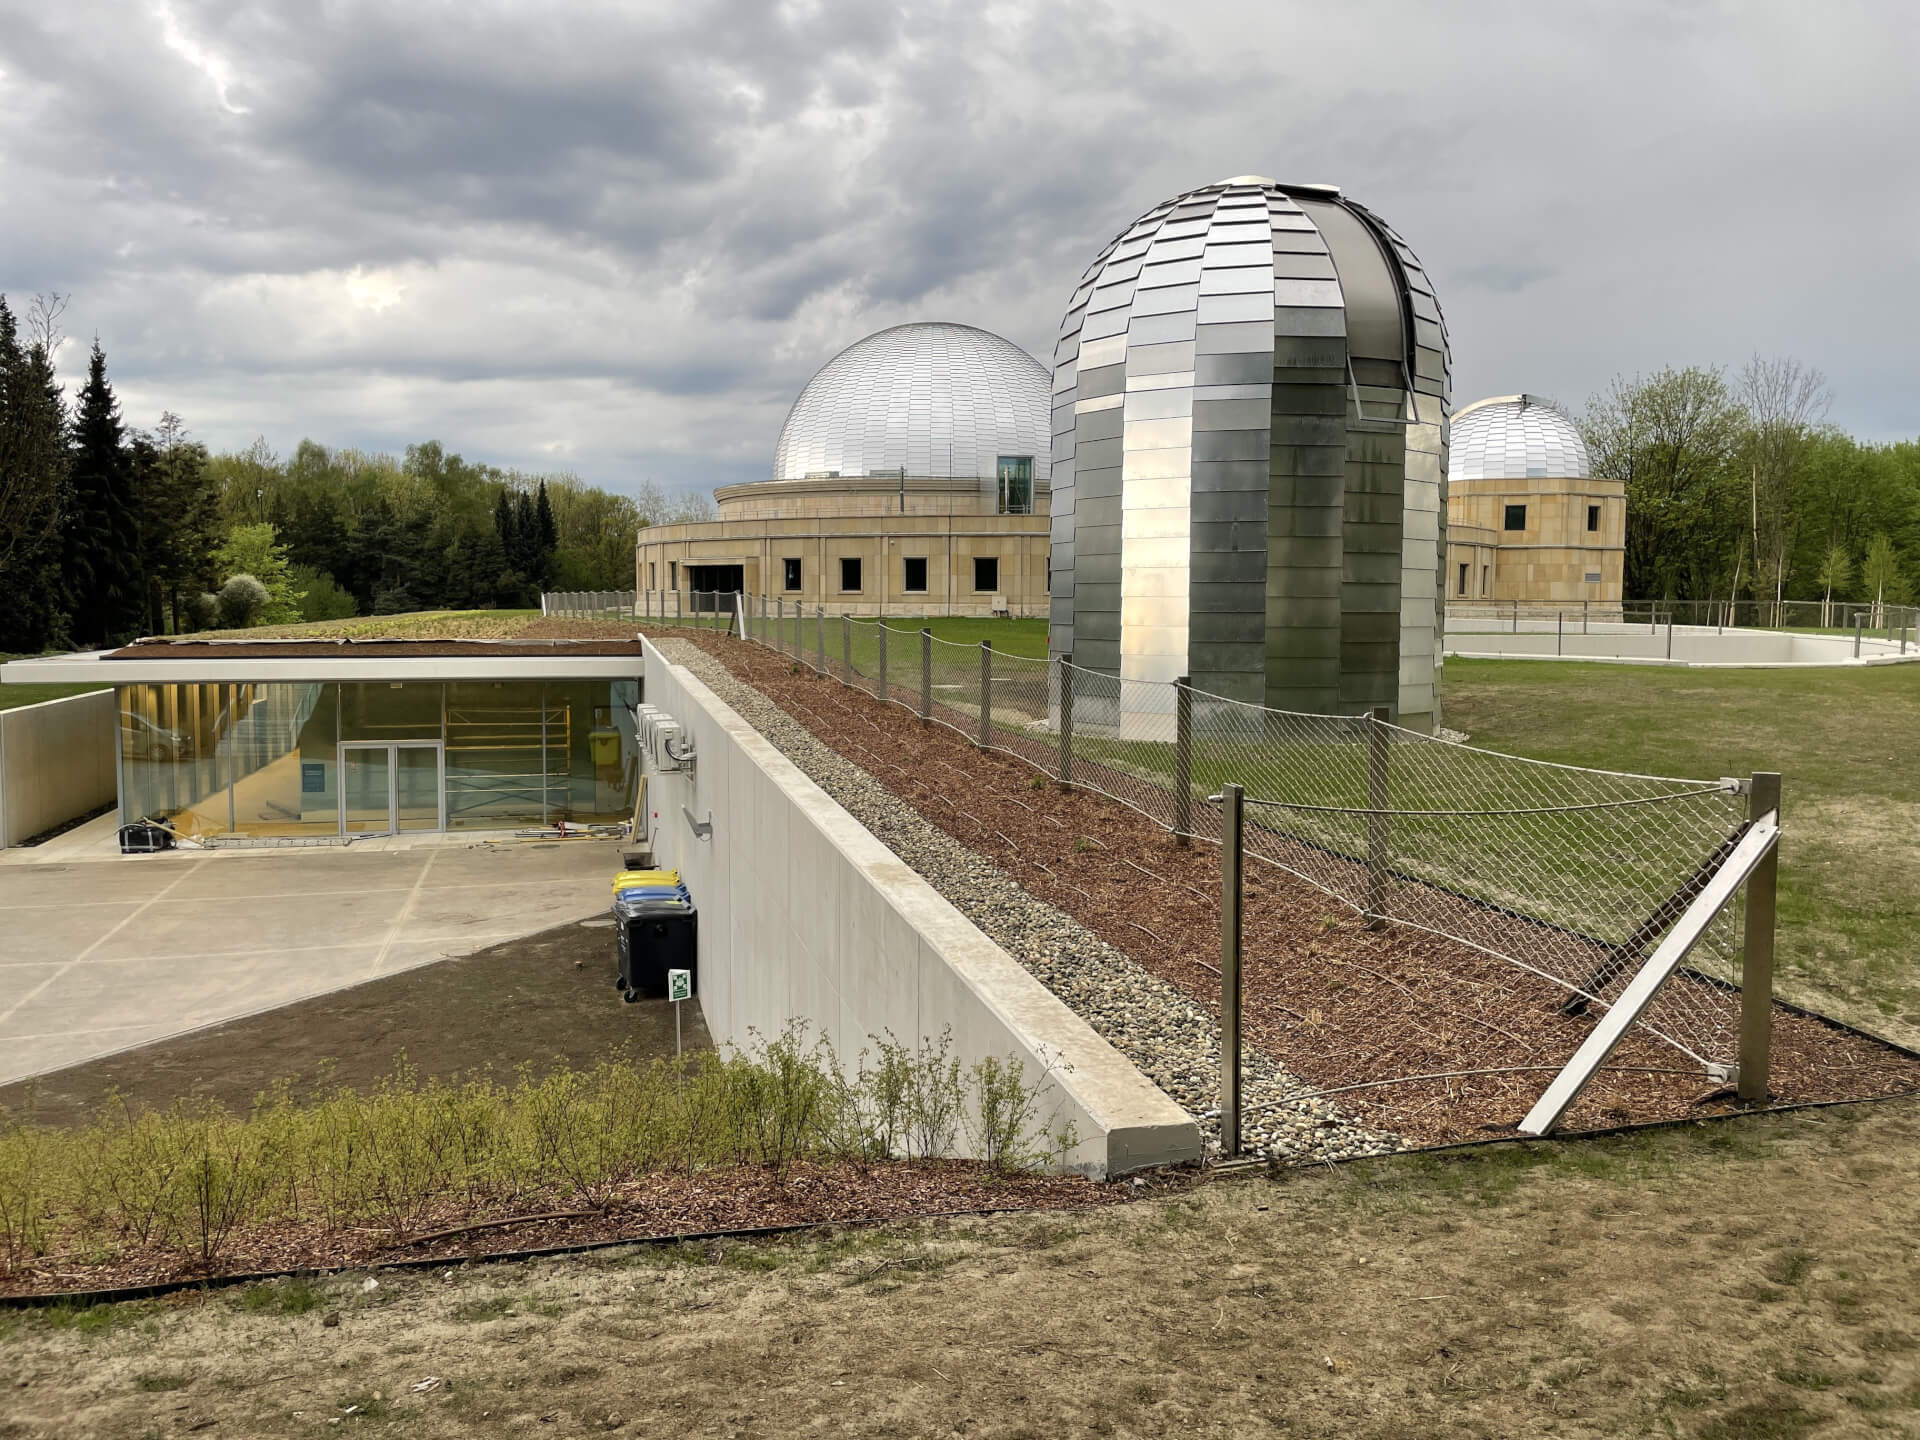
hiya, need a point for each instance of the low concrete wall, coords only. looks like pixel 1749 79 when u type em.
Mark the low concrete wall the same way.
pixel 1694 646
pixel 56 763
pixel 804 915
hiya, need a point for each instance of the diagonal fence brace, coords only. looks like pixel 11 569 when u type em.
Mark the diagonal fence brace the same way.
pixel 1754 847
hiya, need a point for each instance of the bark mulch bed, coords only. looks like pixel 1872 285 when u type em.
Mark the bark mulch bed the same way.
pixel 1331 1002
pixel 652 1207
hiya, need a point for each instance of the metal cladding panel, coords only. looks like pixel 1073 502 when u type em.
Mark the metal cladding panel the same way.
pixel 1261 540
pixel 937 399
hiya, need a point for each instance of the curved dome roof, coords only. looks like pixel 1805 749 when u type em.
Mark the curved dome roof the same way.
pixel 1512 437
pixel 933 398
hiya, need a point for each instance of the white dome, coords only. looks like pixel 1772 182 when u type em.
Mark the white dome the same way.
pixel 1514 437
pixel 935 399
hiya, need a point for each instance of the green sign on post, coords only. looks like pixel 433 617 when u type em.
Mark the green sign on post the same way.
pixel 679 987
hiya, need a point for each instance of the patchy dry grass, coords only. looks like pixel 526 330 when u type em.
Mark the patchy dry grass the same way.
pixel 1747 1280
pixel 1850 855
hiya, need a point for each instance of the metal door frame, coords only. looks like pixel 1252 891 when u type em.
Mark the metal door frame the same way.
pixel 439 747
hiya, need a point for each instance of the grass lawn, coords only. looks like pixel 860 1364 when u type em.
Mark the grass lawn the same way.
pixel 415 625
pixel 1744 1281
pixel 14 696
pixel 1843 742
pixel 1025 638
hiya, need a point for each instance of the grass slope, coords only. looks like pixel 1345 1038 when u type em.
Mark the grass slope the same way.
pixel 1842 740
pixel 1746 1281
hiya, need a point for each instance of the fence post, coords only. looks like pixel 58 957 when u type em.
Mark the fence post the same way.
pixel 1182 760
pixel 1669 635
pixel 779 621
pixel 881 686
pixel 1756 958
pixel 926 676
pixel 986 694
pixel 679 610
pixel 1066 721
pixel 820 635
pixel 1379 833
pixel 1230 876
pixel 846 648
pixel 1559 631
pixel 1583 616
pixel 1516 617
pixel 1858 621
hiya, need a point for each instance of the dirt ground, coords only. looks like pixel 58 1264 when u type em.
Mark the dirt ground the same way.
pixel 546 1000
pixel 1746 1279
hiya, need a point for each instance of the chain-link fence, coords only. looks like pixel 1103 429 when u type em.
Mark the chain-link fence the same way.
pixel 1569 874
pixel 590 604
pixel 1879 620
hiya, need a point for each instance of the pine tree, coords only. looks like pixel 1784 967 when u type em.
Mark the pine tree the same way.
pixel 33 494
pixel 103 537
pixel 548 535
pixel 179 521
pixel 525 553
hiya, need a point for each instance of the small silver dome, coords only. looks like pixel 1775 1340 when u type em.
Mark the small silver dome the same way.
pixel 1513 437
pixel 933 398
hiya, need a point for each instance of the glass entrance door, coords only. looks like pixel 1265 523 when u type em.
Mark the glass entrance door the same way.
pixel 392 787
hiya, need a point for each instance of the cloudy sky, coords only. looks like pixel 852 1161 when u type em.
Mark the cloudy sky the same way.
pixel 617 238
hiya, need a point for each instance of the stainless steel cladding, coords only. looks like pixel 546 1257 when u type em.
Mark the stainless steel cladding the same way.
pixel 1512 437
pixel 931 399
pixel 1250 395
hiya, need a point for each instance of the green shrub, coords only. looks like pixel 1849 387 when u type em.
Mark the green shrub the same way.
pixel 399 1157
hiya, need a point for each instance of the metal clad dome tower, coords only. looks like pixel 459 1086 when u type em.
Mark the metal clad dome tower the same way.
pixel 1250 451
pixel 1516 437
pixel 932 398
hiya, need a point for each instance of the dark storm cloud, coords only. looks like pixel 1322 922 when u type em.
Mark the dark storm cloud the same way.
pixel 620 238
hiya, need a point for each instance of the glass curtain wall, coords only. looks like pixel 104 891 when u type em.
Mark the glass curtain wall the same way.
pixel 267 759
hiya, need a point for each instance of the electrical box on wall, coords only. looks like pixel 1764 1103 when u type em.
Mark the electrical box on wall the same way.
pixel 663 735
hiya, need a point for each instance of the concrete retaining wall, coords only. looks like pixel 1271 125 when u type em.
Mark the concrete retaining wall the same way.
pixel 804 915
pixel 1698 646
pixel 56 763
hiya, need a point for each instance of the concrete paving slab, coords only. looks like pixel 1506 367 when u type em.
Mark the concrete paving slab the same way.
pixel 195 938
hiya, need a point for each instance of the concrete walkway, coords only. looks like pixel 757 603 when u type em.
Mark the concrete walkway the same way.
pixel 101 952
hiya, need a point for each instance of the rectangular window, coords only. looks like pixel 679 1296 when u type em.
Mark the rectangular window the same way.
pixel 986 573
pixel 850 574
pixel 791 568
pixel 653 574
pixel 1463 577
pixel 673 574
pixel 1015 474
pixel 1593 517
pixel 1516 517
pixel 1486 579
pixel 913 574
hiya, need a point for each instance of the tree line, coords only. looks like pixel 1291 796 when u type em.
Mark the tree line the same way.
pixel 1737 488
pixel 108 531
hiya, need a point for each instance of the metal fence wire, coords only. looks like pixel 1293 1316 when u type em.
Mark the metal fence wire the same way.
pixel 1567 873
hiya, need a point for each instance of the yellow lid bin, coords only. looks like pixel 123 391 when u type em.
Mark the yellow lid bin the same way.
pixel 627 879
pixel 606 746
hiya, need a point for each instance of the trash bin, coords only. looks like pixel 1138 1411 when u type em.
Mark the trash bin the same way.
pixel 143 837
pixel 629 878
pixel 654 933
pixel 605 745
